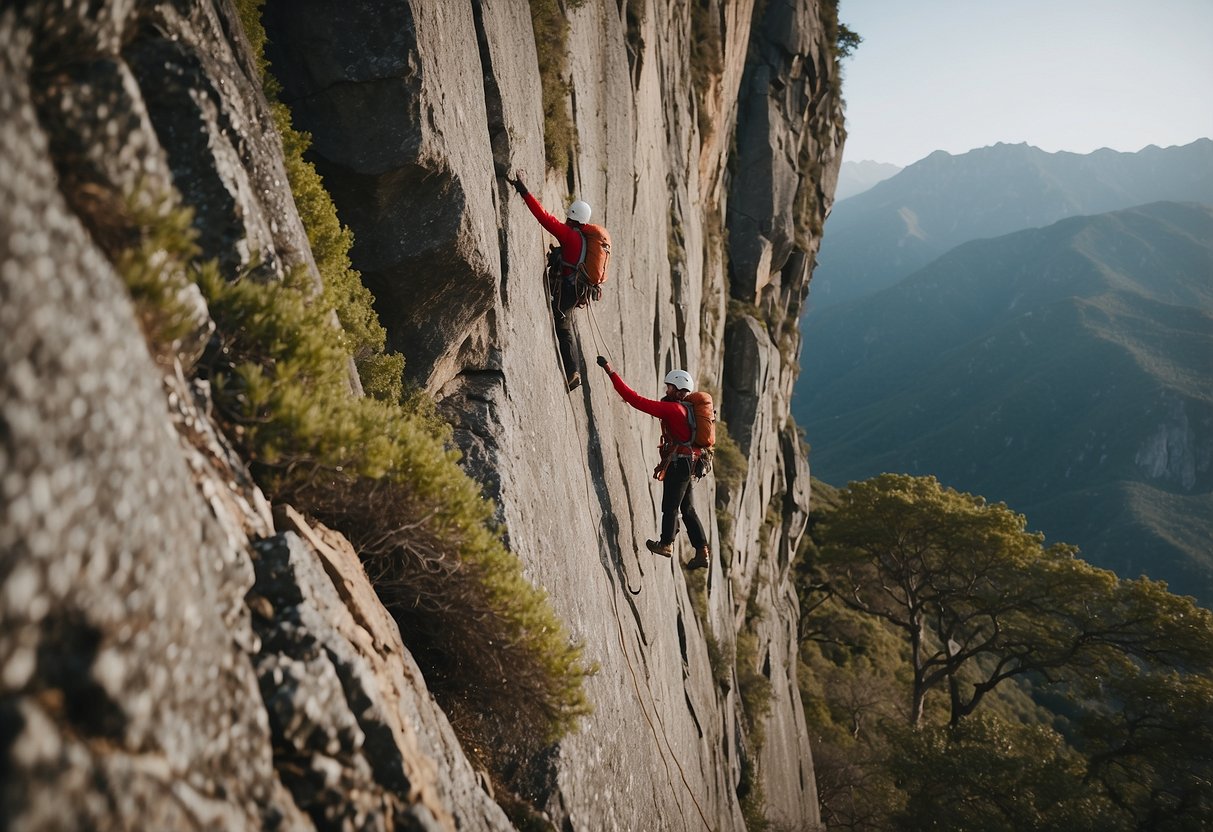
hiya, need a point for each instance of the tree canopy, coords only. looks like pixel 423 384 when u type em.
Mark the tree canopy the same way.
pixel 1117 723
pixel 981 600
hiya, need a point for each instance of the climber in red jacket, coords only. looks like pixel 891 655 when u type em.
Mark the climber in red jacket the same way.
pixel 563 284
pixel 678 457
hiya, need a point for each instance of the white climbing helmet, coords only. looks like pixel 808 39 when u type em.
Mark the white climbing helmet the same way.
pixel 579 211
pixel 680 379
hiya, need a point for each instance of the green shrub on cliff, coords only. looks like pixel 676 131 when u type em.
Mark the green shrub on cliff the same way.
pixel 378 469
pixel 551 29
pixel 153 266
pixel 494 651
pixel 380 372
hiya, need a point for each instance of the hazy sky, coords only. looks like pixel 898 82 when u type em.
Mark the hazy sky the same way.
pixel 1071 75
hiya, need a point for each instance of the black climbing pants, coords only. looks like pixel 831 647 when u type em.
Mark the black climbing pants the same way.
pixel 677 499
pixel 564 302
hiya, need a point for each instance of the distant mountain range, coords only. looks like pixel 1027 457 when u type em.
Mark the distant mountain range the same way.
pixel 899 225
pixel 1064 370
pixel 857 177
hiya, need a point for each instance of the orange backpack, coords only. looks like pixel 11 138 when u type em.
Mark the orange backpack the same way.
pixel 591 268
pixel 701 416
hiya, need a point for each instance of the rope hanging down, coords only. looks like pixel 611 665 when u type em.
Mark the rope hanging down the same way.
pixel 665 757
pixel 667 752
pixel 654 726
pixel 599 341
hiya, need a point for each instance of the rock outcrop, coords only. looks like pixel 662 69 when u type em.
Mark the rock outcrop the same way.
pixel 177 653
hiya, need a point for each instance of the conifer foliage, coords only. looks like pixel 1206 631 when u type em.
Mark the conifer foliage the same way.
pixel 379 468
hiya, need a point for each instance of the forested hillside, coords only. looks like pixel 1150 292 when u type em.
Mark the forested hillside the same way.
pixel 961 673
pixel 1067 371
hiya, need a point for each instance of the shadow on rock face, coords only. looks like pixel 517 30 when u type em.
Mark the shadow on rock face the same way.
pixel 413 255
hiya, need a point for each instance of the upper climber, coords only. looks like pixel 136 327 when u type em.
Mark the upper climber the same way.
pixel 576 269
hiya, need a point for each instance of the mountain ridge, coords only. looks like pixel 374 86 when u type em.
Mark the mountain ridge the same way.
pixel 857 177
pixel 899 225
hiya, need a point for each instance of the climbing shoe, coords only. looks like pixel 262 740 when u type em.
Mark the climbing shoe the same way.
pixel 575 381
pixel 658 548
pixel 702 559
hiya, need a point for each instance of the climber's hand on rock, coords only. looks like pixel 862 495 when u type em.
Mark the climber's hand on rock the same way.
pixel 604 364
pixel 518 184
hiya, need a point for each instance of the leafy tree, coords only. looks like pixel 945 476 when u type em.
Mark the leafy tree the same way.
pixel 1149 742
pixel 848 41
pixel 933 563
pixel 980 600
pixel 985 613
pixel 991 775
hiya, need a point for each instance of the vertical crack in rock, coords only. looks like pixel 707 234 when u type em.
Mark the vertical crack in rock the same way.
pixel 643 655
pixel 609 543
pixel 634 37
pixel 691 710
pixel 499 141
pixel 571 171
pixel 658 336
pixel 682 641
pixel 632 521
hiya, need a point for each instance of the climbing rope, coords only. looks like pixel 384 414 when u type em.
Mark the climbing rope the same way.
pixel 668 751
pixel 599 341
pixel 573 414
pixel 653 727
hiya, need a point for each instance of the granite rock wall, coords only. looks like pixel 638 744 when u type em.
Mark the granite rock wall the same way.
pixel 178 653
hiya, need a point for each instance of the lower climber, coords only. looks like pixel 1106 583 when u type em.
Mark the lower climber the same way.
pixel 678 457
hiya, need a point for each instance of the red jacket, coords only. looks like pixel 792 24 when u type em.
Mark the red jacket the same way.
pixel 568 236
pixel 674 423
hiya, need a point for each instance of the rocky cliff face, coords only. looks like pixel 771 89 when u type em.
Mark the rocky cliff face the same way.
pixel 177 653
